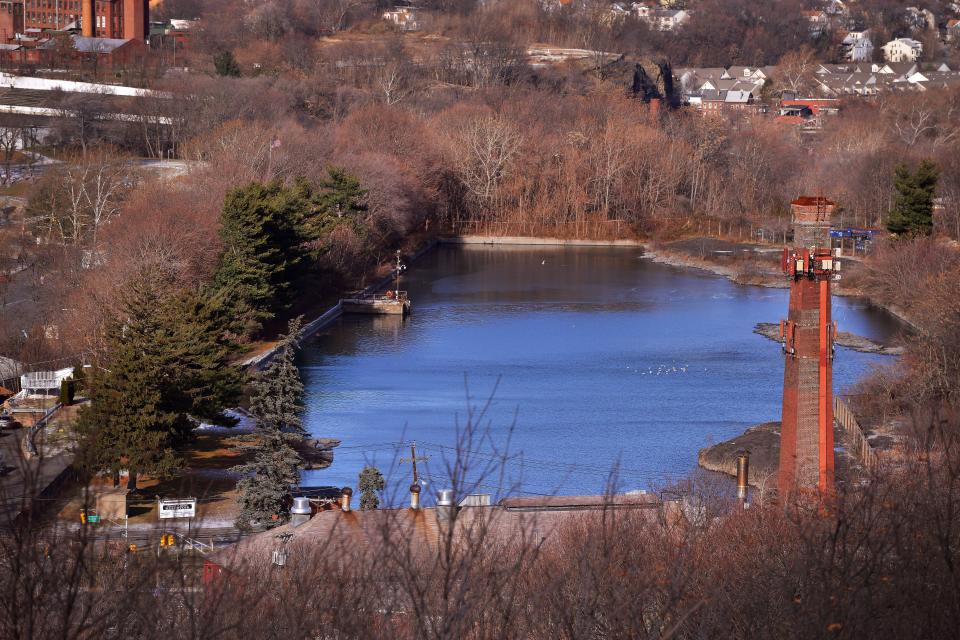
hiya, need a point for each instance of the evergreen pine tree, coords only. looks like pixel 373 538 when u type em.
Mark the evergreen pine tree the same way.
pixel 264 247
pixel 166 365
pixel 371 482
pixel 912 212
pixel 341 199
pixel 226 64
pixel 274 466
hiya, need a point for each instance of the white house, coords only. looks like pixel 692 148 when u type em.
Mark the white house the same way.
pixel 902 50
pixel 668 19
pixel 404 18
pixel 818 21
pixel 857 46
pixel 43 382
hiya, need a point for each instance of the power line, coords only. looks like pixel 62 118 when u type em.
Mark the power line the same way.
pixel 569 468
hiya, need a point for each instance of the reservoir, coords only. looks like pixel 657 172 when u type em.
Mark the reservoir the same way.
pixel 589 357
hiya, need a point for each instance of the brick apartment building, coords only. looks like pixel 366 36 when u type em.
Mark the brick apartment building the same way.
pixel 125 19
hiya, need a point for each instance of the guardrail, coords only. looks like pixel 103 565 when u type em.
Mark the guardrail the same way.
pixel 860 445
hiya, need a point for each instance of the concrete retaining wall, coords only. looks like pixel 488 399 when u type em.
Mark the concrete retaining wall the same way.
pixel 261 360
pixel 522 240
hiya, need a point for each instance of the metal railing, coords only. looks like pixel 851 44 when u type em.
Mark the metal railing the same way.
pixel 860 445
pixel 376 297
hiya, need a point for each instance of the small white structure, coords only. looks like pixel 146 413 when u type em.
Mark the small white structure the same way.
pixel 43 383
pixel 902 50
pixel 667 19
pixel 857 46
pixel 404 18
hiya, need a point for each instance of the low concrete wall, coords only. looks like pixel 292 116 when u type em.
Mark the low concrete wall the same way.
pixel 523 240
pixel 261 360
pixel 329 316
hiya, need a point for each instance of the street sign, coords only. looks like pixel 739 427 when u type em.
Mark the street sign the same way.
pixel 186 508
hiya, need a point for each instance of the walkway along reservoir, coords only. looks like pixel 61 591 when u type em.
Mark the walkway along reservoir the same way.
pixel 601 355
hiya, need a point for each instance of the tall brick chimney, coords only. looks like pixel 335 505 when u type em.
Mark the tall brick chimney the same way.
pixel 806 435
pixel 135 19
pixel 811 220
pixel 88 26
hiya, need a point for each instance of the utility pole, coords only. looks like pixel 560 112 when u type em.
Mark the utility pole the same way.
pixel 414 459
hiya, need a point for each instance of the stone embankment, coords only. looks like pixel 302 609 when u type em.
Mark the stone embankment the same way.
pixel 539 242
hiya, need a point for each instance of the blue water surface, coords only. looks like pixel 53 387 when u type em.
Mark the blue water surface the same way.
pixel 594 357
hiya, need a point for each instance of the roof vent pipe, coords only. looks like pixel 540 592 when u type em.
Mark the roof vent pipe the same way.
pixel 300 512
pixel 345 496
pixel 415 497
pixel 743 478
pixel 446 507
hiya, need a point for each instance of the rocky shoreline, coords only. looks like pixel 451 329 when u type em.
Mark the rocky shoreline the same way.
pixel 762 441
pixel 844 339
pixel 760 278
pixel 731 273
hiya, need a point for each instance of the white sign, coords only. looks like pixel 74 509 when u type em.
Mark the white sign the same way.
pixel 178 508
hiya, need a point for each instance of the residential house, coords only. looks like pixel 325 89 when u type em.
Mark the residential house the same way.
pixel 902 50
pixel 857 46
pixel 838 80
pixel 758 75
pixel 716 102
pixel 668 19
pixel 404 18
pixel 858 84
pixel 818 22
pixel 707 88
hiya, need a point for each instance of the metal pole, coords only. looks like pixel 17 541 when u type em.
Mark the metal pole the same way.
pixel 396 293
pixel 743 476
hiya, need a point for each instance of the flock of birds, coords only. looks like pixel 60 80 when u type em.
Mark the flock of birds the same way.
pixel 663 370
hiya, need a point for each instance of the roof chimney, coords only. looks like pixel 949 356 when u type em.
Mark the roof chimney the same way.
pixel 415 497
pixel 446 508
pixel 300 512
pixel 345 495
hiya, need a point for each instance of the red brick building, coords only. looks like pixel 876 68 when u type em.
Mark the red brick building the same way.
pixel 11 19
pixel 125 19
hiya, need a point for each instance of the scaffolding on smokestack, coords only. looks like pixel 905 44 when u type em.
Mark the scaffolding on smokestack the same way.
pixel 807 335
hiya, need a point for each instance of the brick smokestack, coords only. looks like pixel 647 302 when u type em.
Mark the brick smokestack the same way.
pixel 806 436
pixel 135 19
pixel 88 19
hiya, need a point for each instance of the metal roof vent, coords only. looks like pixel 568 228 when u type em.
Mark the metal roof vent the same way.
pixel 415 497
pixel 446 508
pixel 300 512
pixel 476 500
